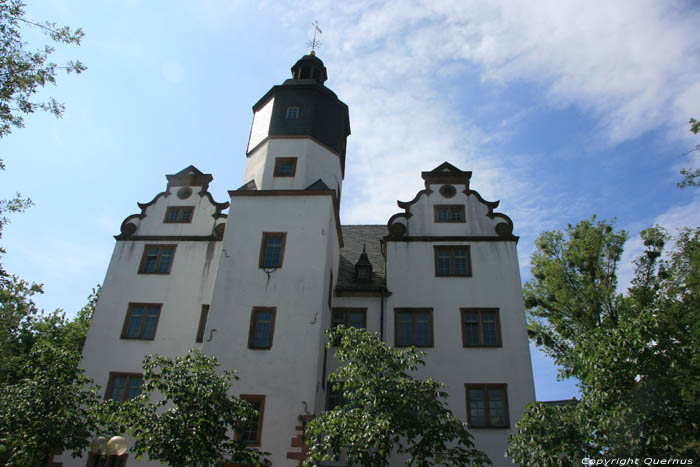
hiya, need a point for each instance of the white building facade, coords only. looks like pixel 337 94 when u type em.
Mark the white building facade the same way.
pixel 257 287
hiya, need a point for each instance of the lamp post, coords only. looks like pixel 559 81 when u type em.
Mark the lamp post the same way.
pixel 105 452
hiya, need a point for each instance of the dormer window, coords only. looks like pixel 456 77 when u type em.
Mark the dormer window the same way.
pixel 363 273
pixel 285 166
pixel 292 112
pixel 363 267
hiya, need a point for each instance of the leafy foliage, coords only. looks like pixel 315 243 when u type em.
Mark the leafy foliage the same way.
pixel 24 72
pixel 387 410
pixel 193 420
pixel 691 177
pixel 46 402
pixel 50 410
pixel 635 355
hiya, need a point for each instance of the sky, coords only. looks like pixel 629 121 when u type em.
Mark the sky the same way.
pixel 561 110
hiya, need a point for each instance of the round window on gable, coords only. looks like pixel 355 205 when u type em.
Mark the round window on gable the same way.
pixel 448 191
pixel 184 192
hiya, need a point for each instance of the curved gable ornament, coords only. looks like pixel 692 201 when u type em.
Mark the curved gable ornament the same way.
pixel 446 173
pixel 189 176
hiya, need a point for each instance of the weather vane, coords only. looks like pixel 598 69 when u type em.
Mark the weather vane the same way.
pixel 314 43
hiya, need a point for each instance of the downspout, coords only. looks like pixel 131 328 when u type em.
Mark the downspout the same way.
pixel 381 323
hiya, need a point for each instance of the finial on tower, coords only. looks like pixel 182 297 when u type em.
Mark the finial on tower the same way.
pixel 314 43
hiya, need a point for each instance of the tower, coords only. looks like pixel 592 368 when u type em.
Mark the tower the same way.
pixel 299 133
pixel 273 291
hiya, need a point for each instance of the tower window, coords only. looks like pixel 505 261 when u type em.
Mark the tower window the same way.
pixel 334 395
pixel 251 434
pixel 452 261
pixel 272 249
pixel 487 406
pixel 449 213
pixel 123 386
pixel 202 323
pixel 480 327
pixel 179 215
pixel 141 321
pixel 262 328
pixel 285 167
pixel 157 259
pixel 292 112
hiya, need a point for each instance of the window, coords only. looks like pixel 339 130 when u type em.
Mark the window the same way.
pixel 179 215
pixel 413 326
pixel 480 327
pixel 272 249
pixel 202 323
pixel 334 395
pixel 363 273
pixel 141 321
pixel 252 433
pixel 452 261
pixel 292 112
pixel 487 406
pixel 449 213
pixel 123 386
pixel 348 317
pixel 262 327
pixel 184 192
pixel 330 290
pixel 285 166
pixel 448 191
pixel 157 259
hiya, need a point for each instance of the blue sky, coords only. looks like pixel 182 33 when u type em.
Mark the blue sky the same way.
pixel 560 109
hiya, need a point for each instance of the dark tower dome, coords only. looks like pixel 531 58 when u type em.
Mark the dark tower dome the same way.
pixel 304 107
pixel 310 67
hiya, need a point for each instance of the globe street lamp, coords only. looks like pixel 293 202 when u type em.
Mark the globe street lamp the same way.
pixel 105 452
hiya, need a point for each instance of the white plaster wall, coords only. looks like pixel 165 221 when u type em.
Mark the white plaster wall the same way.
pixel 495 282
pixel 286 374
pixel 332 262
pixel 313 162
pixel 181 293
pixel 261 124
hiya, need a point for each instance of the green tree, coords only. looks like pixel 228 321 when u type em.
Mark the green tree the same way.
pixel 50 410
pixel 691 177
pixel 635 355
pixel 23 72
pixel 46 403
pixel 387 410
pixel 193 420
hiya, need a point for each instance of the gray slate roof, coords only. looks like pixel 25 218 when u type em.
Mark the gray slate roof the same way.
pixel 354 237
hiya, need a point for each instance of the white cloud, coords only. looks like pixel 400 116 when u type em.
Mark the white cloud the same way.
pixel 634 68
